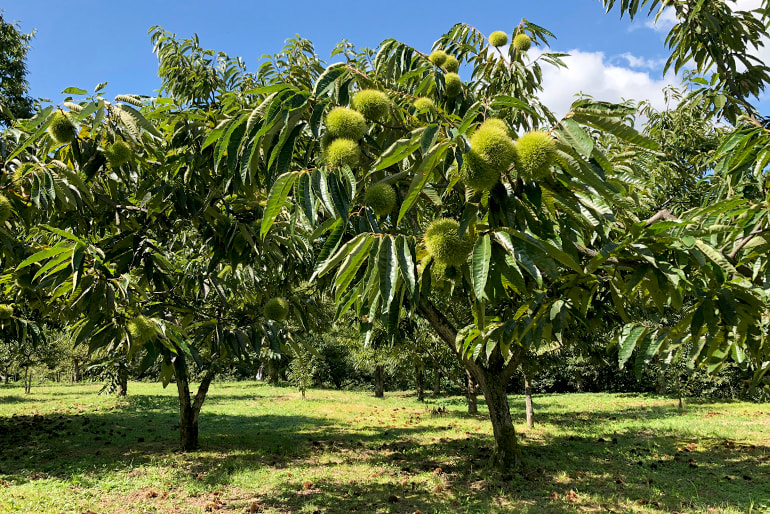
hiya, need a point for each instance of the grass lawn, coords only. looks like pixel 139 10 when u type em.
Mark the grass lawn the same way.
pixel 64 449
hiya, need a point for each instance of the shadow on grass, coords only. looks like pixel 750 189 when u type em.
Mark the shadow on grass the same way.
pixel 449 474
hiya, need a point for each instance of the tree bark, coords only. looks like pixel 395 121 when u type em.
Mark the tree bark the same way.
pixel 76 370
pixel 528 400
pixel 578 381
pixel 437 383
pixel 189 409
pixel 122 379
pixel 379 381
pixel 507 452
pixel 272 372
pixel 418 378
pixel 492 378
pixel 473 406
pixel 27 381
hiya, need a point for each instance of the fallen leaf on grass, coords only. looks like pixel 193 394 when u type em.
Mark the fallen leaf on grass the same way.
pixel 554 495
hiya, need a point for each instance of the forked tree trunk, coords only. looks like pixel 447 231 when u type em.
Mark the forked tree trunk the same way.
pixel 379 381
pixel 473 406
pixel 122 379
pixel 528 400
pixel 189 409
pixel 418 378
pixel 492 378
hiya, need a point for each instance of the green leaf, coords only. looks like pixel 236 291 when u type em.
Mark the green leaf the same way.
pixel 715 257
pixel 618 129
pixel 326 81
pixel 572 134
pixel 342 253
pixel 397 152
pixel 421 176
pixel 42 255
pixel 482 253
pixel 387 267
pixel 406 264
pixel 629 336
pixel 354 258
pixel 74 91
pixel 276 199
pixel 428 138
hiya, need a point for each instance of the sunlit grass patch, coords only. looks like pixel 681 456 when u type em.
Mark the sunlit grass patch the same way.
pixel 264 449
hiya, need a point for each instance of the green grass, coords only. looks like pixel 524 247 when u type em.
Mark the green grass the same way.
pixel 66 449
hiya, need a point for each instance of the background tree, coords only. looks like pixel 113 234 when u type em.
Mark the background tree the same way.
pixel 14 45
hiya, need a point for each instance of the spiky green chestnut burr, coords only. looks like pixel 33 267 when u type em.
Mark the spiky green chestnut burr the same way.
pixel 276 309
pixel 492 153
pixel 451 64
pixel 61 129
pixel 492 142
pixel 453 84
pixel 477 174
pixel 373 104
pixel 118 153
pixel 498 38
pixel 342 122
pixel 381 198
pixel 142 329
pixel 522 42
pixel 424 104
pixel 536 152
pixel 342 152
pixel 6 311
pixel 5 209
pixel 442 240
pixel 438 57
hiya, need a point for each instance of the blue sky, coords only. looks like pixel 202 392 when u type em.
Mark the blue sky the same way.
pixel 84 42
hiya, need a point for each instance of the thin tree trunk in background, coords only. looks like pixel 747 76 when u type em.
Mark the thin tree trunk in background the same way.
pixel 76 370
pixel 418 382
pixel 660 385
pixel 379 381
pixel 473 406
pixel 122 379
pixel 272 372
pixel 528 400
pixel 437 383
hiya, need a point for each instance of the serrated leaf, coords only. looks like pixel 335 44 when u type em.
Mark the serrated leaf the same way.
pixel 629 336
pixel 276 199
pixel 387 267
pixel 480 259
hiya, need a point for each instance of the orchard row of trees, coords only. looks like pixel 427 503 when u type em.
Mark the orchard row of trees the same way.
pixel 217 220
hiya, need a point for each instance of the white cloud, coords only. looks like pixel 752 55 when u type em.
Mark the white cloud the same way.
pixel 640 62
pixel 590 73
pixel 664 22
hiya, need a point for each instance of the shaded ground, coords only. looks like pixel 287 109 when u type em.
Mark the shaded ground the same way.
pixel 65 449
